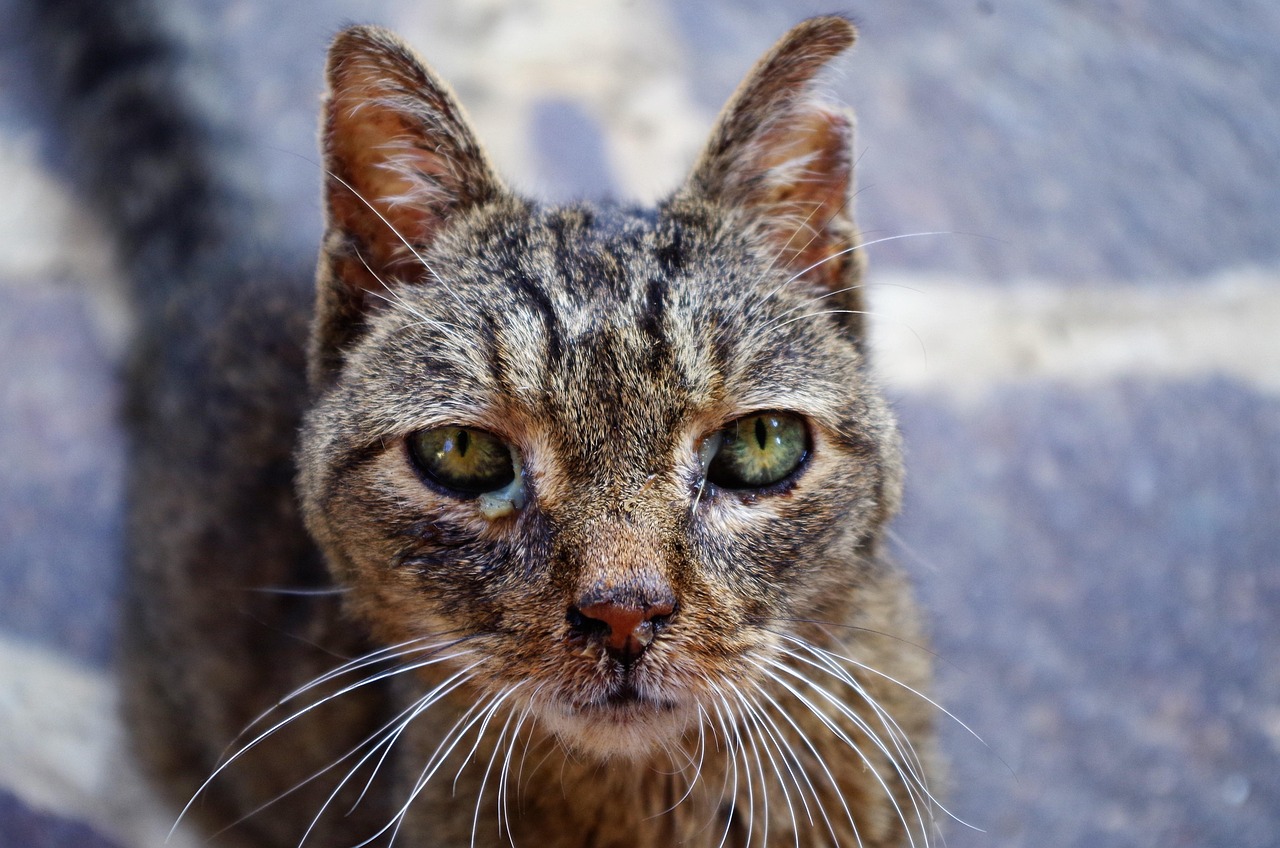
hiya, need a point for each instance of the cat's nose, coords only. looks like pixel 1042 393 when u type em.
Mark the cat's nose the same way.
pixel 625 628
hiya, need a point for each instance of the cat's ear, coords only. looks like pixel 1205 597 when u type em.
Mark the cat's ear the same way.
pixel 781 158
pixel 401 162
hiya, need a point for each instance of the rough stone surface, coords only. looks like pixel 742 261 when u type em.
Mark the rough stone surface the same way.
pixel 61 470
pixel 22 827
pixel 1072 140
pixel 1100 566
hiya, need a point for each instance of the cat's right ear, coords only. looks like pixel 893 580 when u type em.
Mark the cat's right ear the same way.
pixel 780 157
pixel 401 162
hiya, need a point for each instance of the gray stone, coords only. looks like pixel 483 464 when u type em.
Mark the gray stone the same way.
pixel 61 474
pixel 1100 566
pixel 1067 141
pixel 23 827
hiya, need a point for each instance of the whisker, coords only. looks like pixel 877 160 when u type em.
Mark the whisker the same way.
pixel 690 783
pixel 755 751
pixel 488 769
pixel 299 714
pixel 829 663
pixel 864 245
pixel 391 652
pixel 896 732
pixel 402 720
pixel 448 743
pixel 412 711
pixel 788 755
pixel 301 593
pixel 828 626
pixel 800 227
pixel 845 290
pixel 878 673
pixel 397 301
pixel 839 732
pixel 822 764
pixel 814 231
pixel 720 707
pixel 504 813
pixel 760 737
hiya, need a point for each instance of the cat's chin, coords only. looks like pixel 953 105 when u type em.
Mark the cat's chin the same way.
pixel 626 729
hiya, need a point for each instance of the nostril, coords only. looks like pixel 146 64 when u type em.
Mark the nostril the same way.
pixel 584 625
pixel 661 613
pixel 661 618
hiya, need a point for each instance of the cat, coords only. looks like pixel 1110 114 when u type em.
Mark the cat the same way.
pixel 549 525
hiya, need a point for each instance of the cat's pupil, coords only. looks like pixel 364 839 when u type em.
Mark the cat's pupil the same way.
pixel 463 441
pixel 761 432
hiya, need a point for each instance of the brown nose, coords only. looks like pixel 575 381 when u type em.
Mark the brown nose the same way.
pixel 625 629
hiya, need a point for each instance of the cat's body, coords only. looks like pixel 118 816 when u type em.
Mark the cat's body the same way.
pixel 598 494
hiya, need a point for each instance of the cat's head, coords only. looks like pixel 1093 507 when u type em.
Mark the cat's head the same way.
pixel 607 455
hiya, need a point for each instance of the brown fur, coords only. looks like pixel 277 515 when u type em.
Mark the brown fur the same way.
pixel 778 699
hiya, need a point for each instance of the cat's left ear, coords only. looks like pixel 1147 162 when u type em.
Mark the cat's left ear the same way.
pixel 781 159
pixel 401 164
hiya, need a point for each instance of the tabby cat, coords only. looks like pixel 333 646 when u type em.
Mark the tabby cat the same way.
pixel 586 547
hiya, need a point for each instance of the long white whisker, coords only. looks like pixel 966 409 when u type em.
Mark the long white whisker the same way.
pixel 895 730
pixel 392 652
pixel 761 737
pixel 801 227
pixel 840 733
pixel 731 751
pixel 397 301
pixel 814 233
pixel 778 325
pixel 822 764
pixel 299 714
pixel 697 767
pixel 902 763
pixel 488 769
pixel 504 787
pixel 448 743
pixel 395 727
pixel 417 707
pixel 788 756
pixel 829 663
pixel 755 751
pixel 864 245
pixel 840 291
pixel 891 679
pixel 860 246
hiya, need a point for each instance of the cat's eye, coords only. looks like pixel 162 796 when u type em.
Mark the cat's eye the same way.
pixel 463 460
pixel 757 451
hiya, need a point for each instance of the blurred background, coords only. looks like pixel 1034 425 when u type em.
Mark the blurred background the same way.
pixel 1083 347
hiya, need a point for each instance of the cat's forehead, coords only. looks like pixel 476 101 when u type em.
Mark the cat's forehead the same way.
pixel 592 267
pixel 598 316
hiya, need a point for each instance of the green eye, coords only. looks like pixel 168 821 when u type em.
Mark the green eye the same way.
pixel 463 460
pixel 759 450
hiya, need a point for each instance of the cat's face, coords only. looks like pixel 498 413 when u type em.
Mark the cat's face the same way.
pixel 598 459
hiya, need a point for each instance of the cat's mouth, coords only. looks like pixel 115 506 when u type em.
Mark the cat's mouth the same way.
pixel 623 722
pixel 624 702
pixel 626 698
